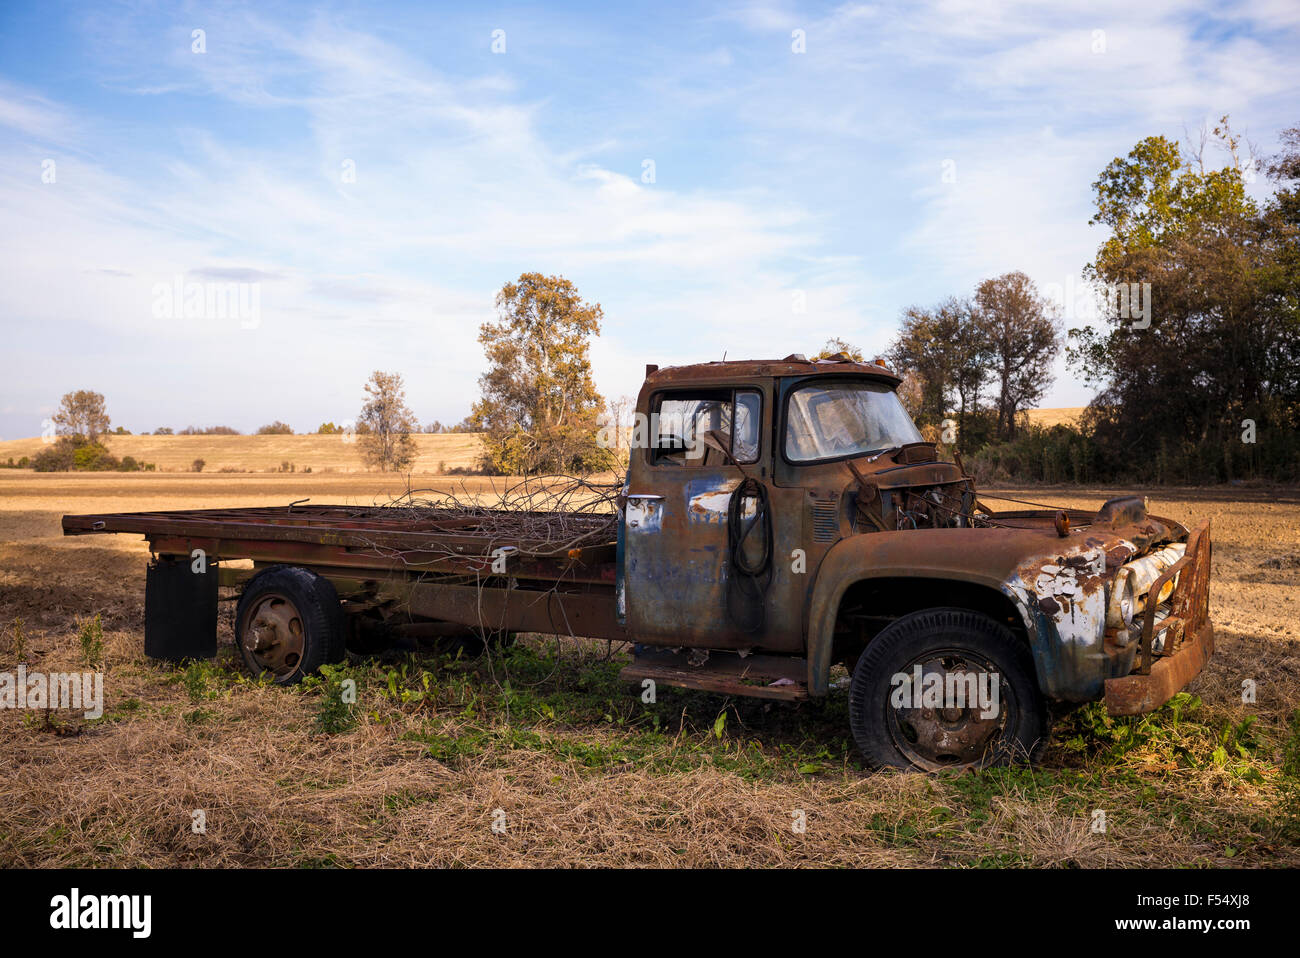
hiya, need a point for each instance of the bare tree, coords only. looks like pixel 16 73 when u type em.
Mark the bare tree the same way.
pixel 82 414
pixel 385 424
pixel 619 411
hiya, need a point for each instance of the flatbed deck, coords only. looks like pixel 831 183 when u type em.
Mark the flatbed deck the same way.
pixel 544 544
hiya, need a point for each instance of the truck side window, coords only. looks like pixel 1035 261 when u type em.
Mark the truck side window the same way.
pixel 744 436
pixel 685 420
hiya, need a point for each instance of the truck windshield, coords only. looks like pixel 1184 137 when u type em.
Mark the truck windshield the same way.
pixel 834 420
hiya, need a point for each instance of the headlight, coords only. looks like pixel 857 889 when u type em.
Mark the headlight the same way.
pixel 1119 611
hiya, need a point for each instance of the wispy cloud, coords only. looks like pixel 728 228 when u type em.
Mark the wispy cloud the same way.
pixel 714 189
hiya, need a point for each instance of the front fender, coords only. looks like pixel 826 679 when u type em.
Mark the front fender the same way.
pixel 1065 630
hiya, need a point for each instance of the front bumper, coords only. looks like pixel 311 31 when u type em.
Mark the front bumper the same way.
pixel 1188 635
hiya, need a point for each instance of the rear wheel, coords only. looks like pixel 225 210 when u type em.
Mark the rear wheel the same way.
pixel 946 688
pixel 288 624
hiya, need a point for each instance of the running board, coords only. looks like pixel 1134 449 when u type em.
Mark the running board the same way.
pixel 725 672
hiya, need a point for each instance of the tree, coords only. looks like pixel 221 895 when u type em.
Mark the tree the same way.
pixel 539 406
pixel 82 414
pixel 835 346
pixel 329 429
pixel 618 414
pixel 276 428
pixel 1220 343
pixel 941 350
pixel 385 424
pixel 1021 340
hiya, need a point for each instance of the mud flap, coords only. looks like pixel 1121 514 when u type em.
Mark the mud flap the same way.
pixel 180 610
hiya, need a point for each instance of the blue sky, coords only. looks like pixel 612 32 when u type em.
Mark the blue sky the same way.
pixel 780 178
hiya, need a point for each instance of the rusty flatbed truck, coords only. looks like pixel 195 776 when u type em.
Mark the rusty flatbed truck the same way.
pixel 778 518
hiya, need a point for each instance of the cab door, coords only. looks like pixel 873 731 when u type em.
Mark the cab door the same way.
pixel 676 562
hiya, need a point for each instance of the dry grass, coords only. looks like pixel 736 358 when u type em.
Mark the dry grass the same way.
pixel 266 453
pixel 1064 415
pixel 584 773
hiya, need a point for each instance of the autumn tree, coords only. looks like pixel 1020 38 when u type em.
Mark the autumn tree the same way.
pixel 939 350
pixel 539 408
pixel 82 415
pixel 835 346
pixel 385 424
pixel 1021 337
pixel 1208 383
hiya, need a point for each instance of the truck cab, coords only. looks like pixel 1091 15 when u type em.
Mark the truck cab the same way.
pixel 783 517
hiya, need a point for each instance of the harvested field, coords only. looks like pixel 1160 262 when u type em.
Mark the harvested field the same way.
pixel 549 742
pixel 336 453
pixel 1064 415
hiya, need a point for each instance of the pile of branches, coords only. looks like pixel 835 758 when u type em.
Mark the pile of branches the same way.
pixel 552 514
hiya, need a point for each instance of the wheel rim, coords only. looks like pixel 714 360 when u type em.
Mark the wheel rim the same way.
pixel 272 634
pixel 950 736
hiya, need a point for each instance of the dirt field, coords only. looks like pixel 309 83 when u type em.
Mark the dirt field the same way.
pixel 549 743
pixel 268 453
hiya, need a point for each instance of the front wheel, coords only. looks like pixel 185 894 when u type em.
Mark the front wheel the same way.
pixel 946 688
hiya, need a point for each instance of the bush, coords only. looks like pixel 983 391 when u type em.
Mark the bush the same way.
pixel 209 431
pixel 276 428
pixel 1056 454
pixel 94 457
pixel 56 457
pixel 75 453
pixel 90 633
pixel 197 465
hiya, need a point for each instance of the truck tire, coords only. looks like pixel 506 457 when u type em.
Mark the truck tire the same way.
pixel 289 623
pixel 895 728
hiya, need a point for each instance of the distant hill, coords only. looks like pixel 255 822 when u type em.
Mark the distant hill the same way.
pixel 266 453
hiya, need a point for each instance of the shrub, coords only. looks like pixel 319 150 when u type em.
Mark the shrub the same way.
pixel 197 465
pixel 93 457
pixel 276 428
pixel 57 457
pixel 1056 454
pixel 209 431
pixel 91 636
